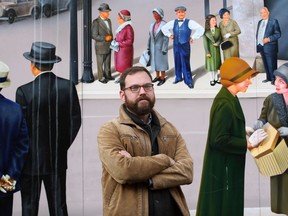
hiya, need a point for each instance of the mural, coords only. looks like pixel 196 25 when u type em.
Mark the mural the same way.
pixel 99 102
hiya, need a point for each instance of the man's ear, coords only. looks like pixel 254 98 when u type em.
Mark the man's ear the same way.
pixel 122 95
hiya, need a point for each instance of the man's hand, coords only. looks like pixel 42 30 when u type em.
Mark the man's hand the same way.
pixel 108 38
pixel 2 183
pixel 7 183
pixel 172 37
pixel 125 154
pixel 172 162
pixel 266 40
pixel 191 40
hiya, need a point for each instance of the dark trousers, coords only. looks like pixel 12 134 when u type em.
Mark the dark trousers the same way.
pixel 182 62
pixel 104 66
pixel 6 205
pixel 269 62
pixel 55 187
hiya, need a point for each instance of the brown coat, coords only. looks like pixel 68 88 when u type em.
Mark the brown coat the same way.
pixel 123 179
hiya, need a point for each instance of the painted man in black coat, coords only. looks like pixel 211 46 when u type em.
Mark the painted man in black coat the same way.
pixel 51 108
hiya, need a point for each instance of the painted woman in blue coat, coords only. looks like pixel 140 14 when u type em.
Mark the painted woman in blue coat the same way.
pixel 14 145
pixel 158 47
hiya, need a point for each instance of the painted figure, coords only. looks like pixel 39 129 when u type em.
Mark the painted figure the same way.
pixel 14 145
pixel 267 35
pixel 274 111
pixel 123 43
pixel 229 31
pixel 144 158
pixel 52 110
pixel 212 40
pixel 102 34
pixel 181 35
pixel 158 47
pixel 222 184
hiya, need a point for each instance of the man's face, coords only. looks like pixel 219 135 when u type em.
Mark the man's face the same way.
pixel 264 13
pixel 181 14
pixel 105 14
pixel 140 103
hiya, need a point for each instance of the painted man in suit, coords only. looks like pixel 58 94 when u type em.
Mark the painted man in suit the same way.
pixel 267 35
pixel 14 145
pixel 51 108
pixel 181 35
pixel 102 34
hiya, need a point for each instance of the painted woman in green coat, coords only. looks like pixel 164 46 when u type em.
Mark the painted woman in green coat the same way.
pixel 275 112
pixel 222 184
pixel 211 41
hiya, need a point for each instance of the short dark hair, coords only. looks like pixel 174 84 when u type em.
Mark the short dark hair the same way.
pixel 44 67
pixel 130 71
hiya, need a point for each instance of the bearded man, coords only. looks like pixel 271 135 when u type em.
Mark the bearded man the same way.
pixel 144 158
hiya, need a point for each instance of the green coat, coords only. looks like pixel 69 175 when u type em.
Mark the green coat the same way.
pixel 275 112
pixel 214 62
pixel 222 184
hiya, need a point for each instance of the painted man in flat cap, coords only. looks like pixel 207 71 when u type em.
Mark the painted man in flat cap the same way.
pixel 102 34
pixel 180 30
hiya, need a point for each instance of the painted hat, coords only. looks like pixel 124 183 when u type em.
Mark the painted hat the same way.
pixel 180 8
pixel 125 15
pixel 159 11
pixel 282 72
pixel 235 70
pixel 104 7
pixel 4 71
pixel 222 11
pixel 42 52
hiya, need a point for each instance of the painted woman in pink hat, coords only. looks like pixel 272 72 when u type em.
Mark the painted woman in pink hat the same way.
pixel 123 43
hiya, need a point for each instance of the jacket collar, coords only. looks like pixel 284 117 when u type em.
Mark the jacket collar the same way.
pixel 125 118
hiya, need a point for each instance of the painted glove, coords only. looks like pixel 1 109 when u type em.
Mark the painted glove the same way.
pixel 257 137
pixel 258 124
pixel 227 35
pixel 2 183
pixel 283 131
pixel 249 130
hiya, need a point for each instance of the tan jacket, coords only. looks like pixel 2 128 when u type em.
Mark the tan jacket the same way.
pixel 123 179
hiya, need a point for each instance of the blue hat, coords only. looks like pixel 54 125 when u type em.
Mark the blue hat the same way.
pixel 180 8
pixel 222 11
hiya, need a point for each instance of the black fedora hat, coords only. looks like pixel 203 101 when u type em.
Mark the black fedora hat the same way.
pixel 42 52
pixel 104 7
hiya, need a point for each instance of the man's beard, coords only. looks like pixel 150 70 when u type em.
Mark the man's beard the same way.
pixel 140 109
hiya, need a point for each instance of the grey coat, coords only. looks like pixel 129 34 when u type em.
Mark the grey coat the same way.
pixel 158 46
pixel 99 31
